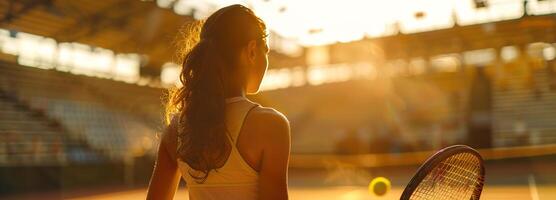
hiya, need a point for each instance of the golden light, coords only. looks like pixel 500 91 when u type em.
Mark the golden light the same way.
pixel 318 22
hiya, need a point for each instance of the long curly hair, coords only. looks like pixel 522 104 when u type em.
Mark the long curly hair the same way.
pixel 199 104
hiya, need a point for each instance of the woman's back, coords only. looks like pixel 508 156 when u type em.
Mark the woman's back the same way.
pixel 235 179
pixel 255 168
pixel 238 153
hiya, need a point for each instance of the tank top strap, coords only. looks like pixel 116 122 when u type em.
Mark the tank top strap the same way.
pixel 236 113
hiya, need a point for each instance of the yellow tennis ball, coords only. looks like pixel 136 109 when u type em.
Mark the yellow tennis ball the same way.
pixel 379 186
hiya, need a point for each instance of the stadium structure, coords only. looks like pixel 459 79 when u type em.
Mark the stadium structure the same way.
pixel 83 83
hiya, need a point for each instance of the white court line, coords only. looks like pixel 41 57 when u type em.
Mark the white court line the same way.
pixel 533 188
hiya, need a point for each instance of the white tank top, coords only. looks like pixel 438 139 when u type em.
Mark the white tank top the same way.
pixel 235 179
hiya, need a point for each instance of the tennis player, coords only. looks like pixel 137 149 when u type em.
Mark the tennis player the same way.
pixel 223 145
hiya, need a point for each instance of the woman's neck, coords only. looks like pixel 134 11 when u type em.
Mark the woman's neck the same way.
pixel 235 93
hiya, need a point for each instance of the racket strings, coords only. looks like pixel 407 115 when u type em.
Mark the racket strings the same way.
pixel 454 171
pixel 457 177
pixel 432 185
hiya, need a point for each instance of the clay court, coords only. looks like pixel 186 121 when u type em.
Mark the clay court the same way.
pixel 349 193
pixel 508 177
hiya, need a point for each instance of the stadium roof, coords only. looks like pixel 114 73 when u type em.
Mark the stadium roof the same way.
pixel 149 27
pixel 123 26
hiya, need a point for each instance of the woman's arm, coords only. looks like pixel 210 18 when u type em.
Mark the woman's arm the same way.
pixel 166 177
pixel 273 172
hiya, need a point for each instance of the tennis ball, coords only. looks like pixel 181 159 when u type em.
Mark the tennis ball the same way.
pixel 379 186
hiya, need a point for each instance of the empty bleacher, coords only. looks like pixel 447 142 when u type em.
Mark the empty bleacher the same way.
pixel 524 109
pixel 141 101
pixel 119 119
pixel 89 110
pixel 379 111
pixel 29 138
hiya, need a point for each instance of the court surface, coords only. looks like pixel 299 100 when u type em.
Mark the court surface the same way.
pixel 529 176
pixel 522 192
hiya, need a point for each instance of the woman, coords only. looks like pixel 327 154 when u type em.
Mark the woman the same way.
pixel 223 145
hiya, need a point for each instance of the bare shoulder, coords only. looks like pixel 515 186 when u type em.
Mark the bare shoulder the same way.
pixel 170 132
pixel 268 117
pixel 268 123
pixel 169 138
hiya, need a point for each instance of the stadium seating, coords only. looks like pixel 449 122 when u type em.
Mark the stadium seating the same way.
pixel 118 119
pixel 380 111
pixel 83 111
pixel 27 137
pixel 524 109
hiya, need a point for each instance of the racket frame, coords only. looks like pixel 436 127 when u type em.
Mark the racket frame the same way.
pixel 436 159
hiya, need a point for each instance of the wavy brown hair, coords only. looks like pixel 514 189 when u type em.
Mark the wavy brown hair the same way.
pixel 199 105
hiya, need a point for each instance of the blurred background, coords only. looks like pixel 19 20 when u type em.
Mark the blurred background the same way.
pixel 371 88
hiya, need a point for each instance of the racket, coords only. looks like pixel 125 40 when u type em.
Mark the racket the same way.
pixel 455 172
